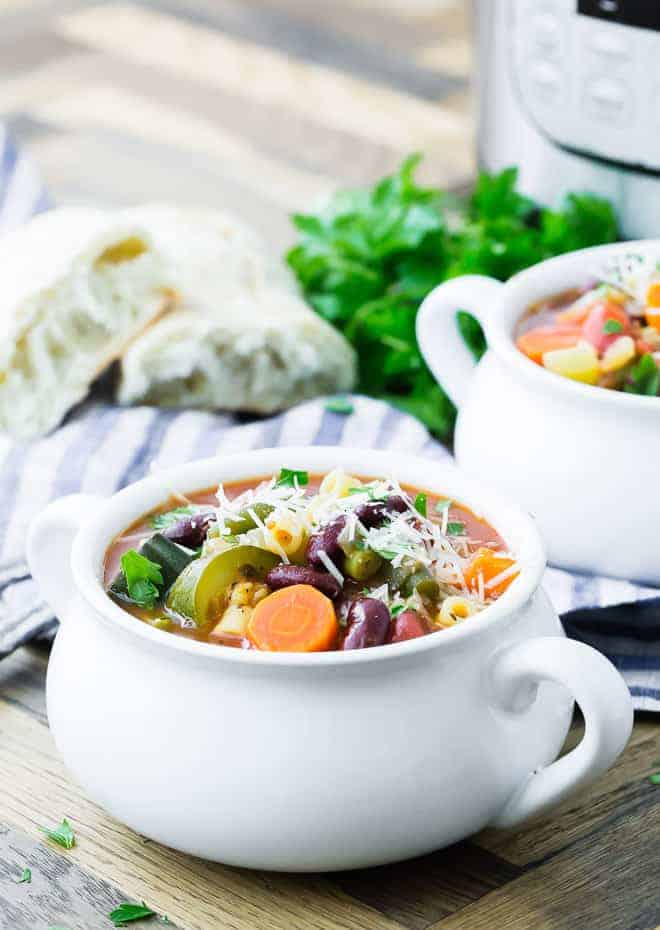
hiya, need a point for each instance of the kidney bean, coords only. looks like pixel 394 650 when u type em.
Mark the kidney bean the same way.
pixel 326 540
pixel 408 625
pixel 374 513
pixel 190 531
pixel 368 624
pixel 284 575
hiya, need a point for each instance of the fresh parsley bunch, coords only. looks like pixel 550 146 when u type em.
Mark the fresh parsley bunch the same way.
pixel 370 257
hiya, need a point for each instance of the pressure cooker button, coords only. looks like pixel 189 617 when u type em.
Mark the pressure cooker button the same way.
pixel 609 47
pixel 546 35
pixel 607 100
pixel 546 82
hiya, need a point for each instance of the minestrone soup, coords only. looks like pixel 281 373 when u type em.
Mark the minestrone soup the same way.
pixel 303 563
pixel 606 333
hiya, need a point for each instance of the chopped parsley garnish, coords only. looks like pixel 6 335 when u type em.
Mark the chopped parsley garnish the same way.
pixel 655 778
pixel 396 609
pixel 420 504
pixel 612 326
pixel 62 835
pixel 26 877
pixel 162 520
pixel 142 578
pixel 644 377
pixel 127 913
pixel 339 405
pixel 289 477
pixel 455 529
pixel 369 491
pixel 442 505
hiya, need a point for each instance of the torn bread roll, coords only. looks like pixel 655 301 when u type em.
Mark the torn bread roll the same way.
pixel 242 338
pixel 261 353
pixel 78 285
pixel 213 255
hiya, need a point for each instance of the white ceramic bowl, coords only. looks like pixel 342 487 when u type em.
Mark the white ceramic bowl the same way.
pixel 325 761
pixel 583 460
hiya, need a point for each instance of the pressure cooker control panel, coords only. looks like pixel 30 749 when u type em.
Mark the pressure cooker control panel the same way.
pixel 588 73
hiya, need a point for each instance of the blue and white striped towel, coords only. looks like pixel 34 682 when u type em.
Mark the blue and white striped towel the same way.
pixel 102 448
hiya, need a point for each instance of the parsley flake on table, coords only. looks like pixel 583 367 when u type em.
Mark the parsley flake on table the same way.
pixel 143 578
pixel 339 405
pixel 63 835
pixel 289 477
pixel 655 778
pixel 367 260
pixel 26 877
pixel 128 913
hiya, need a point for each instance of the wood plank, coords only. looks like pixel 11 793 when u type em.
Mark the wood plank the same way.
pixel 108 108
pixel 254 73
pixel 308 145
pixel 60 892
pixel 616 793
pixel 200 895
pixel 307 39
pixel 606 881
pixel 421 891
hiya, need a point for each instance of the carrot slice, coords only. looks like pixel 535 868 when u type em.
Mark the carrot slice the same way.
pixel 489 564
pixel 536 342
pixel 653 295
pixel 294 619
pixel 653 317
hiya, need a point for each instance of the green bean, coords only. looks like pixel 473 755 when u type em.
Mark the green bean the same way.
pixel 244 521
pixel 361 564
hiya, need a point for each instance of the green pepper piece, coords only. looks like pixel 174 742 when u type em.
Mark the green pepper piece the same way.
pixel 199 591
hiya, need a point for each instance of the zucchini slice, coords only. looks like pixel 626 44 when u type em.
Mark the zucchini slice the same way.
pixel 200 590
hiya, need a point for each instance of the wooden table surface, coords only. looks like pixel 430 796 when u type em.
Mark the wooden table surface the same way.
pixel 264 107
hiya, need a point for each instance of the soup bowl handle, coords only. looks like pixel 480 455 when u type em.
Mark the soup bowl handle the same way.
pixel 438 335
pixel 602 696
pixel 49 542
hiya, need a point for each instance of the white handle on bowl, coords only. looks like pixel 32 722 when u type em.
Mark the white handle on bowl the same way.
pixel 438 335
pixel 602 696
pixel 49 543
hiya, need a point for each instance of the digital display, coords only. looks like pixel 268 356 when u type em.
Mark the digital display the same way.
pixel 642 13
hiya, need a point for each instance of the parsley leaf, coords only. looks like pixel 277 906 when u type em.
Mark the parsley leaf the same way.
pixel 644 377
pixel 63 835
pixel 161 521
pixel 370 256
pixel 339 405
pixel 655 779
pixel 455 529
pixel 290 477
pixel 442 505
pixel 126 913
pixel 420 504
pixel 612 326
pixel 142 578
pixel 26 877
